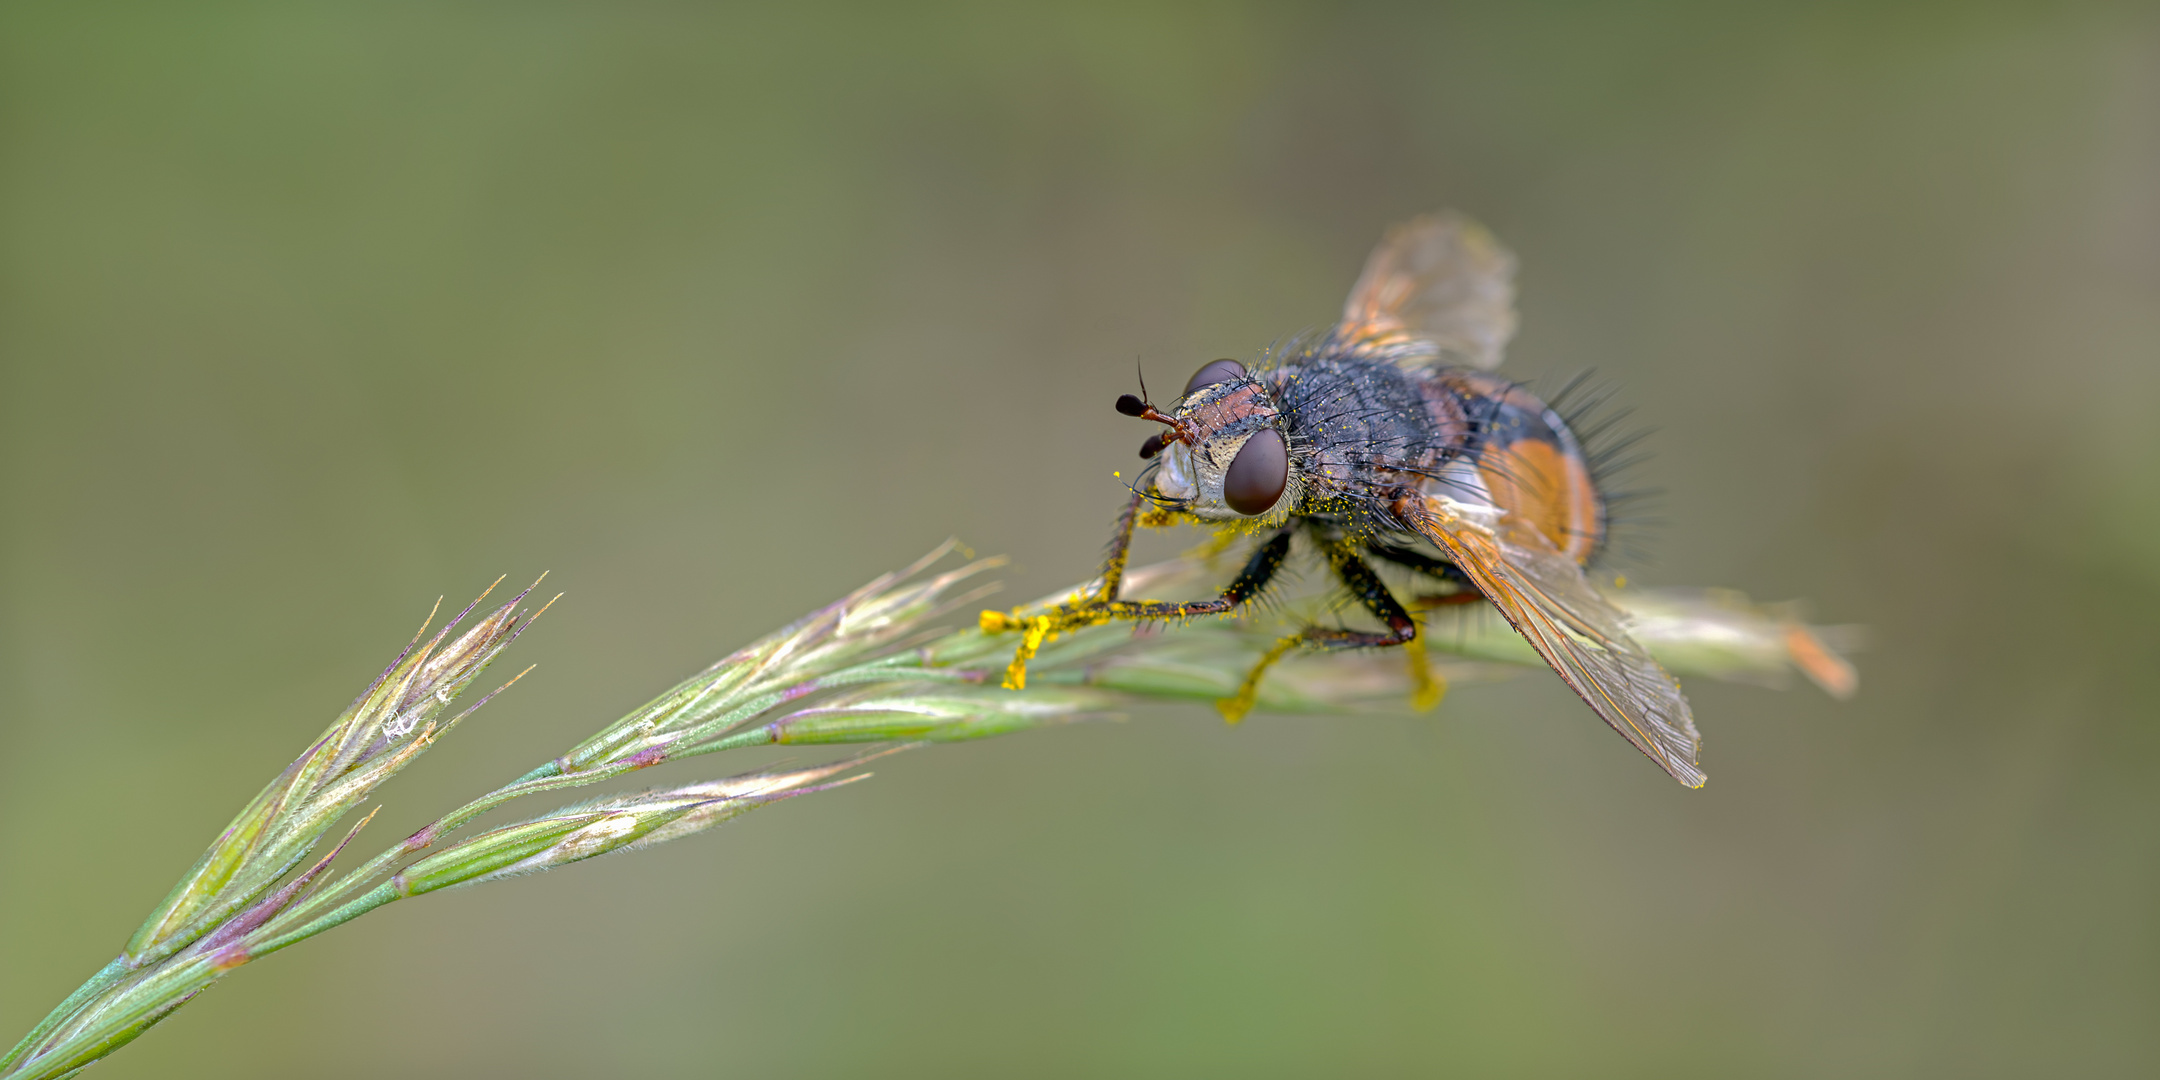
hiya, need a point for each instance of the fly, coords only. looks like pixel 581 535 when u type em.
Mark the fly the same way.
pixel 1388 438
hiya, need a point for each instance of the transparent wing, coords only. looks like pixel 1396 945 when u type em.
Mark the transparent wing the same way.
pixel 1438 289
pixel 1545 597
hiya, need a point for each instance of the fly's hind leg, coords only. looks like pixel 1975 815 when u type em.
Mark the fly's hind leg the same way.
pixel 1373 593
pixel 1104 606
pixel 1461 589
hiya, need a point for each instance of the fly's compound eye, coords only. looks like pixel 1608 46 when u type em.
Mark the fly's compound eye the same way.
pixel 1258 472
pixel 1214 372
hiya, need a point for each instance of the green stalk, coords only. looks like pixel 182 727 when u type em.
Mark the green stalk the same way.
pixel 869 668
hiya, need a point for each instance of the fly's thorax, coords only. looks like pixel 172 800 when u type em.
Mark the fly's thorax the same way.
pixel 1233 454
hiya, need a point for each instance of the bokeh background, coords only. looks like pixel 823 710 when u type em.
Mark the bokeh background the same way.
pixel 308 316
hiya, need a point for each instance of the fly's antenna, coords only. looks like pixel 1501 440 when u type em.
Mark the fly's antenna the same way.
pixel 1138 407
pixel 1133 406
pixel 1144 408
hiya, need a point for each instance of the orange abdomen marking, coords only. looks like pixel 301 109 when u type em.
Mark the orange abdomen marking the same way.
pixel 1539 482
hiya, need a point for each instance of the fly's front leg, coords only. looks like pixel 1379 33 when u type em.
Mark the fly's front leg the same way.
pixel 1104 606
pixel 1041 628
pixel 1373 593
pixel 1113 569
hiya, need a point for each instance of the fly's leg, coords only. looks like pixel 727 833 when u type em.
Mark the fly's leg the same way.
pixel 1464 592
pixel 1405 555
pixel 1235 707
pixel 1093 612
pixel 1426 688
pixel 1041 628
pixel 1104 606
pixel 1113 570
pixel 1224 539
pixel 1373 593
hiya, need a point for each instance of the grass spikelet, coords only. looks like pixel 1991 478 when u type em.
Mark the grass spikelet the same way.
pixel 880 665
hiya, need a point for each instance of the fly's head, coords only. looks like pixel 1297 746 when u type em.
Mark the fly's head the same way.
pixel 1225 455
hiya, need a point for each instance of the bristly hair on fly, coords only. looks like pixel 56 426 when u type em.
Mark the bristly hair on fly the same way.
pixel 1612 448
pixel 1359 507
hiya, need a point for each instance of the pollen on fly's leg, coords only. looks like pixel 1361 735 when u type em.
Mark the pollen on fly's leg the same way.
pixel 1221 540
pixel 1105 606
pixel 1072 615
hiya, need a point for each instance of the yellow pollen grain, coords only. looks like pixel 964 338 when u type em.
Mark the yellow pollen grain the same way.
pixel 1427 688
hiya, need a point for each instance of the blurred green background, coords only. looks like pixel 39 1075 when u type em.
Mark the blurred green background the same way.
pixel 309 315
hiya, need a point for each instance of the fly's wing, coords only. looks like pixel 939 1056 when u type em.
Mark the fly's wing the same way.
pixel 1545 597
pixel 1438 290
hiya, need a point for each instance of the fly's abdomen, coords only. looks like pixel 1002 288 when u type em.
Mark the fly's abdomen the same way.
pixel 1526 461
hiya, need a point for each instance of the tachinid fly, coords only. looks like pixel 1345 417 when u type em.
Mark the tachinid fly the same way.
pixel 1388 438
